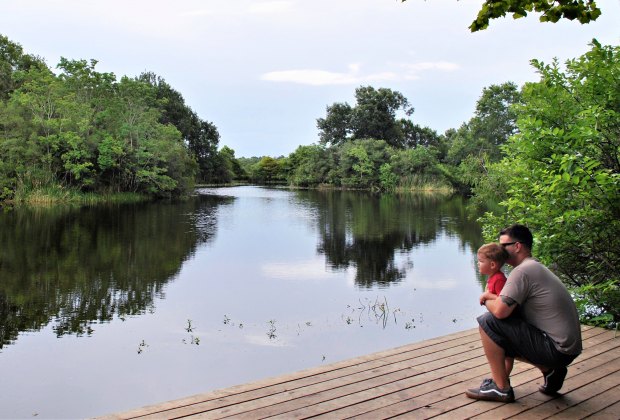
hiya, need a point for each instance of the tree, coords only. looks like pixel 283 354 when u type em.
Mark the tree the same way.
pixel 359 162
pixel 416 135
pixel 373 116
pixel 584 11
pixel 562 173
pixel 309 166
pixel 336 127
pixel 269 169
pixel 84 130
pixel 495 119
pixel 12 61
pixel 202 137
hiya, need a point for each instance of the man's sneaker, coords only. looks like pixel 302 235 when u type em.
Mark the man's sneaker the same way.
pixel 489 391
pixel 554 379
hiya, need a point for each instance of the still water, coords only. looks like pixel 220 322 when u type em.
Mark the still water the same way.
pixel 112 308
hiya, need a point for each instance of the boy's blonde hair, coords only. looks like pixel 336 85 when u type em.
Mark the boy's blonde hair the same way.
pixel 494 252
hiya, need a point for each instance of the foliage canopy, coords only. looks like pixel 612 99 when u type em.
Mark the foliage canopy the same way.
pixel 561 173
pixel 584 11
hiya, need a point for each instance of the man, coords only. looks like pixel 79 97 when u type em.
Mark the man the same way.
pixel 534 319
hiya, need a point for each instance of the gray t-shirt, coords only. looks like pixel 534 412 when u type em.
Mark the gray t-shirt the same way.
pixel 546 304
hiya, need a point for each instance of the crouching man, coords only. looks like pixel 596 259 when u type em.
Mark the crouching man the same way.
pixel 534 319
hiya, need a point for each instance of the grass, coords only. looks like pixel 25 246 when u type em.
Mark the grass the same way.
pixel 419 182
pixel 57 194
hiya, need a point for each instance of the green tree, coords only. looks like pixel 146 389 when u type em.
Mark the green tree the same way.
pixel 373 116
pixel 562 170
pixel 336 127
pixel 309 166
pixel 82 129
pixel 387 177
pixel 359 161
pixel 584 11
pixel 202 137
pixel 269 169
pixel 494 121
pixel 14 61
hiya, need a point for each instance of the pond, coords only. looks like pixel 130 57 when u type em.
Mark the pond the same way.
pixel 115 307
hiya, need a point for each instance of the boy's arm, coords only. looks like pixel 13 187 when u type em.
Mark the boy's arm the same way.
pixel 487 295
pixel 500 306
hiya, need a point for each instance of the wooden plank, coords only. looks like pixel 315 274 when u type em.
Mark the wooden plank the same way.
pixel 370 392
pixel 422 355
pixel 579 388
pixel 528 396
pixel 419 380
pixel 429 393
pixel 453 397
pixel 367 361
pixel 608 413
pixel 592 405
pixel 343 385
pixel 526 388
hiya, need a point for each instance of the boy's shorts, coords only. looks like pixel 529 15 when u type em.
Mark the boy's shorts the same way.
pixel 522 340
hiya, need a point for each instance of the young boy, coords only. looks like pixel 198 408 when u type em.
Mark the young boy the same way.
pixel 491 259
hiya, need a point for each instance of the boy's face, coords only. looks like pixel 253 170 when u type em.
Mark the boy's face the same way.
pixel 485 265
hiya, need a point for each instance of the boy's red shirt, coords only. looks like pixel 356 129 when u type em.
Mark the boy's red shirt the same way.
pixel 496 282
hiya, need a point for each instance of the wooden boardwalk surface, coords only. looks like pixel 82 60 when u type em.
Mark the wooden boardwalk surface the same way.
pixel 417 381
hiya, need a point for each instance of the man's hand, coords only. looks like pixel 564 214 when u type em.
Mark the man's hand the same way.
pixel 487 296
pixel 500 306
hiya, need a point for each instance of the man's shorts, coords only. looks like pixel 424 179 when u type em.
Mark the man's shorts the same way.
pixel 522 340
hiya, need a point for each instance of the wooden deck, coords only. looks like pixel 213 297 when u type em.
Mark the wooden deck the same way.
pixel 418 381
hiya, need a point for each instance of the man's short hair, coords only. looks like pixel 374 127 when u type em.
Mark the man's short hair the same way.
pixel 494 252
pixel 519 233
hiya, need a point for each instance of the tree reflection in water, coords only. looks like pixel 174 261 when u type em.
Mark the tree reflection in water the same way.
pixel 75 266
pixel 71 267
pixel 366 231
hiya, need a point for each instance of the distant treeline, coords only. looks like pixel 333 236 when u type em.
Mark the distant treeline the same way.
pixel 74 128
pixel 375 145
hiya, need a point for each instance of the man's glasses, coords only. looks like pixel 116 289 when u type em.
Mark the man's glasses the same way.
pixel 508 243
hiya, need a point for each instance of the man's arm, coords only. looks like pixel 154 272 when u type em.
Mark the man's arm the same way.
pixel 500 306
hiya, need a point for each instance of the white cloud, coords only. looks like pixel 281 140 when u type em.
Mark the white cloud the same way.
pixel 317 77
pixel 323 78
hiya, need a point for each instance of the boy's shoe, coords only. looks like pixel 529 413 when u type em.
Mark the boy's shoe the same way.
pixel 554 379
pixel 489 391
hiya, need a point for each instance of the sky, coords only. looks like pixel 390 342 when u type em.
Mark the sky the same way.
pixel 263 71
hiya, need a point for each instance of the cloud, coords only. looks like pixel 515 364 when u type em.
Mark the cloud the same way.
pixel 324 78
pixel 354 76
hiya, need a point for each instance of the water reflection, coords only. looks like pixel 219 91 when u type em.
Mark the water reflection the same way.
pixel 72 267
pixel 366 231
